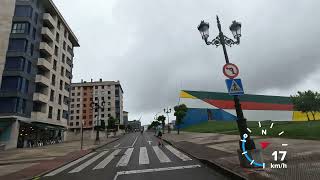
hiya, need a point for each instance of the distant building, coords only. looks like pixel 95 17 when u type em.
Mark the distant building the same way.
pixel 36 61
pixel 135 125
pixel 125 118
pixel 204 106
pixel 84 93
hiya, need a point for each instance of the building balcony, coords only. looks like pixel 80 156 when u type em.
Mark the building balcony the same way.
pixel 47 34
pixel 48 20
pixel 46 49
pixel 44 64
pixel 42 80
pixel 40 97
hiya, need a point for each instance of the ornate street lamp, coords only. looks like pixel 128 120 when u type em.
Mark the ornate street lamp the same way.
pixel 223 40
pixel 97 106
pixel 167 111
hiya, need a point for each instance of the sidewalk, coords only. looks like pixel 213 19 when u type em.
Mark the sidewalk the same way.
pixel 302 159
pixel 29 162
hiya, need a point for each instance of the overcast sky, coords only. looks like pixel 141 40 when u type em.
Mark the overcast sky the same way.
pixel 154 48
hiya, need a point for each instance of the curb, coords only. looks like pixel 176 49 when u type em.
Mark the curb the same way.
pixel 88 151
pixel 213 165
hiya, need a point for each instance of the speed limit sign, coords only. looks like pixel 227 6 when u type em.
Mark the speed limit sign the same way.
pixel 230 70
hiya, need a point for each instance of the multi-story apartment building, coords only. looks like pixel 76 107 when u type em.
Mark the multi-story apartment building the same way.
pixel 36 59
pixel 125 118
pixel 85 93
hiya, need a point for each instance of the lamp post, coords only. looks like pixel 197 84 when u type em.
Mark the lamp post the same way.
pixel 97 106
pixel 223 40
pixel 167 111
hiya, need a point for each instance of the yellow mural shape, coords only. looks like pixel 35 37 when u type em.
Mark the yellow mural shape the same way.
pixel 183 94
pixel 300 116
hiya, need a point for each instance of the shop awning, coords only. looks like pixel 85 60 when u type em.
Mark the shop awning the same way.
pixel 48 126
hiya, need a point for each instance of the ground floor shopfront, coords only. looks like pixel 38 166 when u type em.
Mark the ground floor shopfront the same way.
pixel 15 133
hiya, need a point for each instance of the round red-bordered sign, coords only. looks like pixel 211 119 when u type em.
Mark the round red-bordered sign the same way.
pixel 230 70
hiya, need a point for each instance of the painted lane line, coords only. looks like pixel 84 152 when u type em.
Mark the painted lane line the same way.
pixel 284 144
pixel 143 156
pixel 249 130
pixel 245 152
pixel 90 161
pixel 107 160
pixel 271 126
pixel 281 133
pixel 243 140
pixel 155 170
pixel 252 162
pixel 178 153
pixel 161 155
pixel 134 141
pixel 69 165
pixel 125 158
pixel 116 146
pixel 259 124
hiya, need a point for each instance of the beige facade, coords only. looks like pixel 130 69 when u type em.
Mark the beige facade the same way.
pixel 83 94
pixel 6 14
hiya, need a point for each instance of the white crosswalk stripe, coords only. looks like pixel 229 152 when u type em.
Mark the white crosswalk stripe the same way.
pixel 125 158
pixel 178 153
pixel 69 165
pixel 87 163
pixel 143 156
pixel 107 160
pixel 161 155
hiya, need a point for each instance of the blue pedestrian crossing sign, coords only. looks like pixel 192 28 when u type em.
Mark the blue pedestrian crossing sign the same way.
pixel 235 87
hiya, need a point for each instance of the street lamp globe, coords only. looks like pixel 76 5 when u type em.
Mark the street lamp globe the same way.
pixel 204 30
pixel 235 28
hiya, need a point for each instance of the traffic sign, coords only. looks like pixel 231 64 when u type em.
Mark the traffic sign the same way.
pixel 230 70
pixel 234 87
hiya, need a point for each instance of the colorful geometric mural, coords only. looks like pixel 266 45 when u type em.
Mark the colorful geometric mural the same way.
pixel 204 106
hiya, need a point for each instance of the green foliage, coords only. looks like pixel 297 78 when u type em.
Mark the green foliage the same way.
pixel 162 120
pixel 153 124
pixel 180 113
pixel 307 102
pixel 111 123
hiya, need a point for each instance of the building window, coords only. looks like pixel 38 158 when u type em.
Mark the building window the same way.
pixel 84 111
pixel 34 33
pixel 78 94
pixel 109 97
pixel 52 95
pixel 54 65
pixel 71 123
pixel 23 11
pixel 72 105
pixel 77 123
pixel 109 115
pixel 64 45
pixel 50 112
pixel 90 123
pixel 59 115
pixel 59 24
pixel 29 67
pixel 96 87
pixel 31 49
pixel 15 63
pixel 109 109
pixel 61 85
pixel 20 28
pixel 63 58
pixel 78 99
pixel 109 103
pixel 109 92
pixel 11 83
pixel 20 45
pixel 77 117
pixel 57 37
pixel 78 105
pixel 78 111
pixel 62 71
pixel 26 86
pixel 84 99
pixel 83 117
pixel 35 18
pixel 84 105
pixel 60 99
pixel 53 80
pixel 102 87
pixel 72 94
pixel 72 111
pixel 65 33
pixel 56 50
pixel 102 115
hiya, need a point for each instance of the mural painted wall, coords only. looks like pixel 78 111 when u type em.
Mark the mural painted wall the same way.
pixel 204 106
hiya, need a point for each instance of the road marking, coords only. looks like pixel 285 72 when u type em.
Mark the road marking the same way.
pixel 107 160
pixel 264 165
pixel 259 124
pixel 284 144
pixel 249 130
pixel 155 170
pixel 281 133
pixel 69 165
pixel 271 126
pixel 90 161
pixel 125 158
pixel 243 140
pixel 134 141
pixel 149 142
pixel 116 146
pixel 160 154
pixel 178 153
pixel 252 162
pixel 143 156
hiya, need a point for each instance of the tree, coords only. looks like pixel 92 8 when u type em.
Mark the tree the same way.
pixel 153 125
pixel 162 120
pixel 111 123
pixel 306 102
pixel 180 113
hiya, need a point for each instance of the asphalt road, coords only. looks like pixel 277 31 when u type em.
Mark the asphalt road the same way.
pixel 135 156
